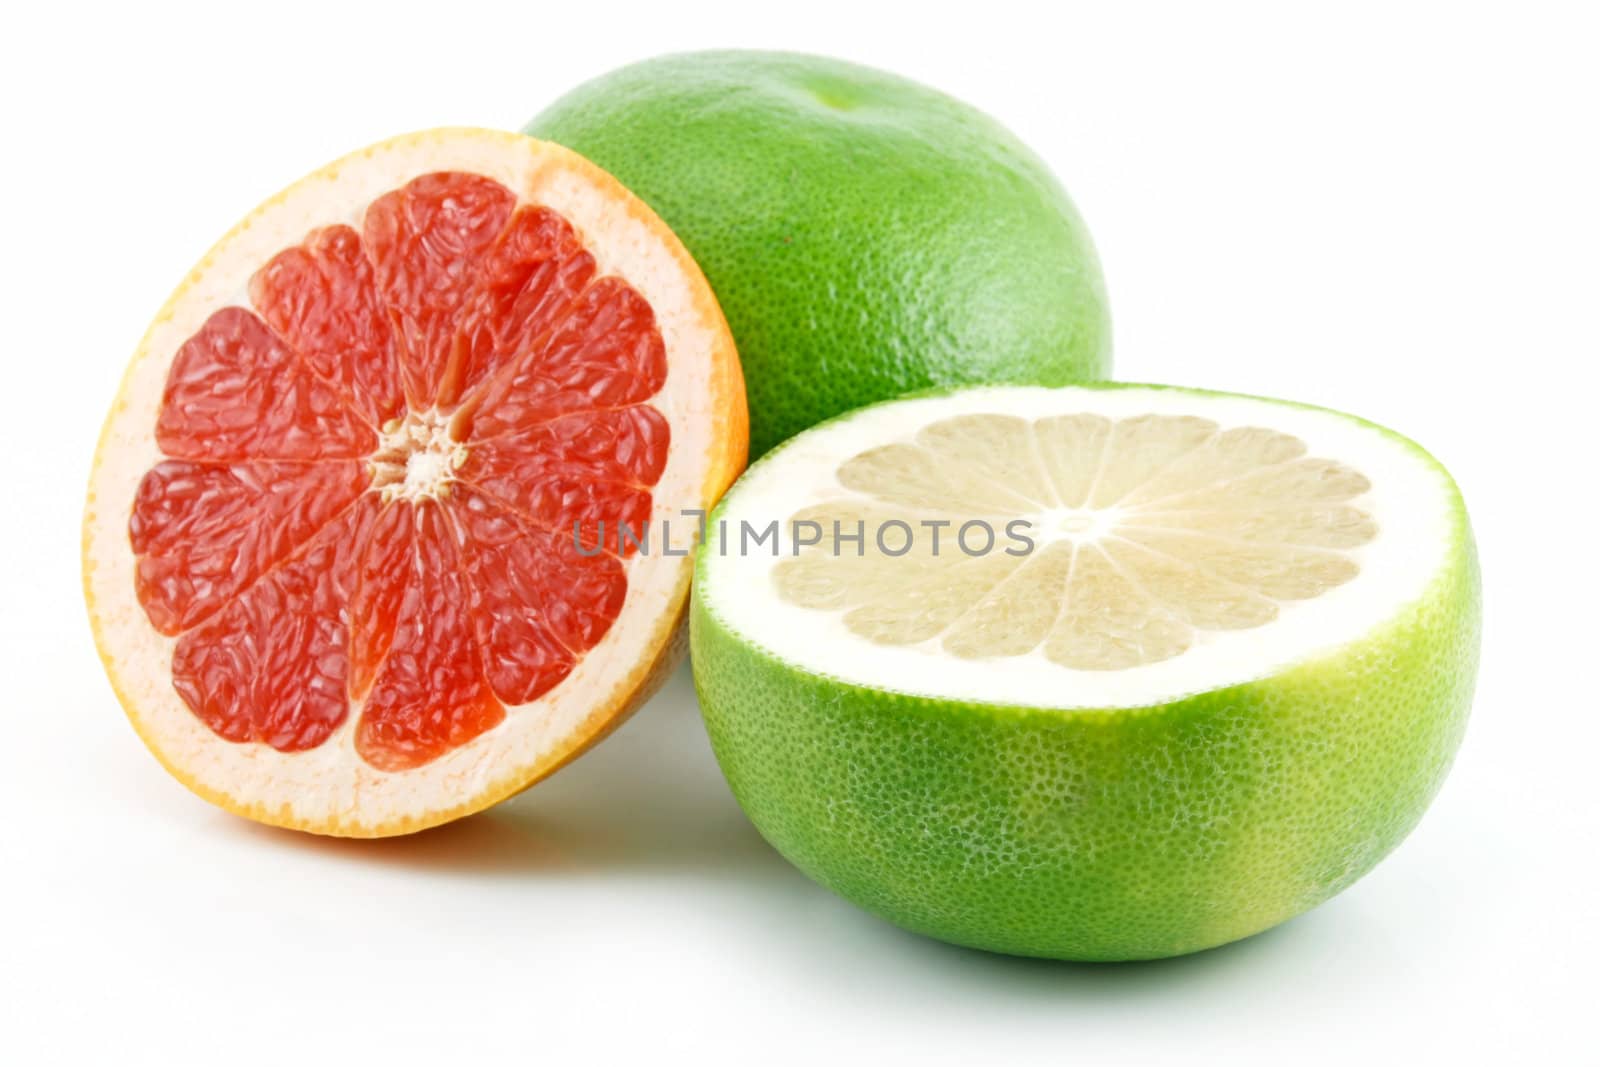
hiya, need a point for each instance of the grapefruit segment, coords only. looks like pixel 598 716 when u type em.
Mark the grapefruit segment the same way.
pixel 204 531
pixel 272 665
pixel 237 392
pixel 605 354
pixel 624 445
pixel 332 545
pixel 430 695
pixel 382 582
pixel 583 469
pixel 428 242
pixel 535 612
pixel 532 277
pixel 321 297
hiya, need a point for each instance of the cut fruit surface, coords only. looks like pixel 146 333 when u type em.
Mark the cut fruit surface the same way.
pixel 1101 672
pixel 1204 542
pixel 1153 527
pixel 334 548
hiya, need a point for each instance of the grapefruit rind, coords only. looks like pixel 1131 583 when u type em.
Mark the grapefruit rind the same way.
pixel 1057 820
pixel 330 789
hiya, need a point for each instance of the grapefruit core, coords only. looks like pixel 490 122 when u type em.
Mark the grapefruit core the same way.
pixel 334 548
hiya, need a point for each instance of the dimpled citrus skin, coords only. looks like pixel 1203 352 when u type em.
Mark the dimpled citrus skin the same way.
pixel 1100 834
pixel 865 235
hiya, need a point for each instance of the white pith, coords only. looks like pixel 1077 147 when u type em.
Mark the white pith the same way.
pixel 417 457
pixel 1409 499
pixel 331 785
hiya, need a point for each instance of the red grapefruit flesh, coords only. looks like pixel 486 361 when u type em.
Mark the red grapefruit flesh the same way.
pixel 382 425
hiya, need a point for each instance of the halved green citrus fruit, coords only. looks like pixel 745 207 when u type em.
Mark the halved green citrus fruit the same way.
pixel 866 235
pixel 1097 673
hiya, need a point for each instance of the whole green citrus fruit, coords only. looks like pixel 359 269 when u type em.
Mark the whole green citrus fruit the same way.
pixel 865 235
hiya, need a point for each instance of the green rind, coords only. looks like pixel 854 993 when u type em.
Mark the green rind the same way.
pixel 1108 834
pixel 865 235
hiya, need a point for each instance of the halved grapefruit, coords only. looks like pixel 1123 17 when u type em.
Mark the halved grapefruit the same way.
pixel 1100 672
pixel 340 546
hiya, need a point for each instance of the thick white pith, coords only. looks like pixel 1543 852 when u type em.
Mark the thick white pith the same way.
pixel 759 596
pixel 331 785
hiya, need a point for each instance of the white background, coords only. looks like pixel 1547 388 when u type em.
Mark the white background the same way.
pixel 1393 210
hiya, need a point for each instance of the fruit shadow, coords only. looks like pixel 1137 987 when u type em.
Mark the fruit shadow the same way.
pixel 1024 980
pixel 649 799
